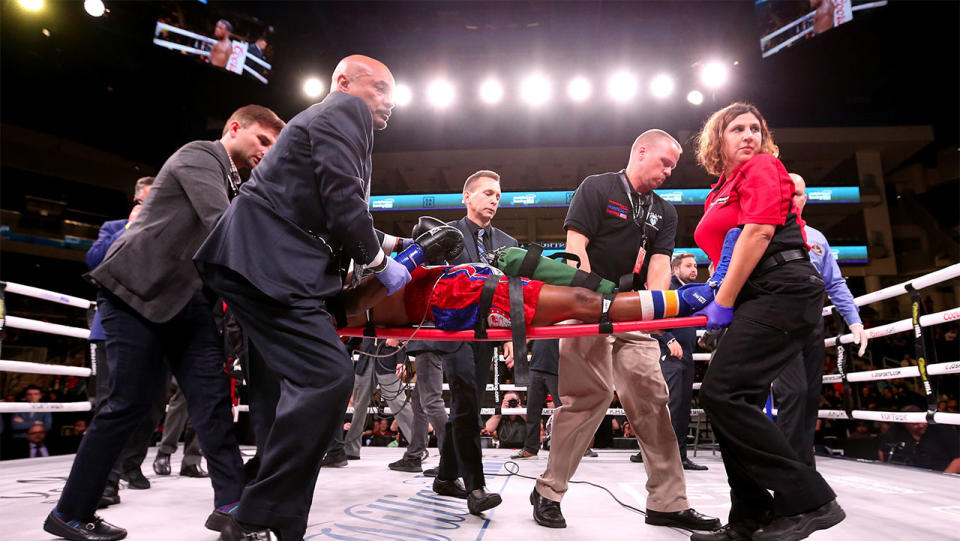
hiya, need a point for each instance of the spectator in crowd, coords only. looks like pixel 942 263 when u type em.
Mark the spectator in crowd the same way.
pixel 32 445
pixel 934 447
pixel 20 423
pixel 509 430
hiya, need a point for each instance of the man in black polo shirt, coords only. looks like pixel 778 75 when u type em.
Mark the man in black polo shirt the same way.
pixel 624 232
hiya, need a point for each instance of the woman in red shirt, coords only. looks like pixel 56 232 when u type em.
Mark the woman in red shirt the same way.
pixel 770 301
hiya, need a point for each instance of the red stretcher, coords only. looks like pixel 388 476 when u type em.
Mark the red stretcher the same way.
pixel 533 333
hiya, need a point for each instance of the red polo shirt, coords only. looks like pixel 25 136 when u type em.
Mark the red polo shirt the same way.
pixel 758 192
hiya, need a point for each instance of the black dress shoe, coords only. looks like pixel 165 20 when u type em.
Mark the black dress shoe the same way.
pixel 729 532
pixel 217 520
pixel 74 530
pixel 161 464
pixel 135 479
pixel 234 531
pixel 452 488
pixel 431 472
pixel 406 464
pixel 110 496
pixel 479 500
pixel 546 512
pixel 688 518
pixel 334 459
pixel 193 470
pixel 692 466
pixel 353 457
pixel 636 458
pixel 799 526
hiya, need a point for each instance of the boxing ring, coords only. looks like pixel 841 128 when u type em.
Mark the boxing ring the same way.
pixel 882 501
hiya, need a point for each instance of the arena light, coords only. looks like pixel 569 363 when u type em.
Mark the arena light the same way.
pixel 661 86
pixel 579 89
pixel 713 74
pixel 695 97
pixel 402 95
pixel 622 86
pixel 313 87
pixel 440 93
pixel 535 89
pixel 31 5
pixel 94 8
pixel 491 91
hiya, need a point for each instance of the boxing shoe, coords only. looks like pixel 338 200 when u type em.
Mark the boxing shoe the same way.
pixel 439 244
pixel 726 253
pixel 693 297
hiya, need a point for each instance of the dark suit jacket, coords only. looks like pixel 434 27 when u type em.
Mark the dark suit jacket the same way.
pixel 686 336
pixel 304 206
pixel 149 266
pixel 468 255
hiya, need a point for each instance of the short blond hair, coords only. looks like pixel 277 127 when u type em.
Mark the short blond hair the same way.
pixel 710 138
pixel 483 173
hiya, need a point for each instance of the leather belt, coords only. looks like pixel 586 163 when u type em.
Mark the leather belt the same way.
pixel 780 258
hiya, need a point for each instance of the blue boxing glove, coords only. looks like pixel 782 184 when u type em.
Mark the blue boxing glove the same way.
pixel 392 275
pixel 718 315
pixel 693 297
pixel 726 254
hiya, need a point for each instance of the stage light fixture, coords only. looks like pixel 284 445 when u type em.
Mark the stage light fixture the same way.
pixel 695 97
pixel 579 89
pixel 491 91
pixel 402 95
pixel 31 5
pixel 535 89
pixel 94 8
pixel 662 85
pixel 713 74
pixel 622 86
pixel 440 93
pixel 313 87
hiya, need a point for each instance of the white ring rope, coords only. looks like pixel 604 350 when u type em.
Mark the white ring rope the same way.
pixel 24 367
pixel 52 296
pixel 49 328
pixel 942 275
pixel 903 325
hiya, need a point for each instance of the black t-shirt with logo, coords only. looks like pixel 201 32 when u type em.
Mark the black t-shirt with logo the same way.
pixel 602 211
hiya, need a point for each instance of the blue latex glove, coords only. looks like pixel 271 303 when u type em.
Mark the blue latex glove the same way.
pixel 405 243
pixel 718 316
pixel 392 275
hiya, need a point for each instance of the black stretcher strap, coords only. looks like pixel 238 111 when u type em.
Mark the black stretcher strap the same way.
pixel 606 326
pixel 518 324
pixel 566 256
pixel 588 280
pixel 921 352
pixel 483 308
pixel 530 261
pixel 626 282
pixel 843 356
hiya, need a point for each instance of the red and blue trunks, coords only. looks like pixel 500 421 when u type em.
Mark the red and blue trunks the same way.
pixel 453 304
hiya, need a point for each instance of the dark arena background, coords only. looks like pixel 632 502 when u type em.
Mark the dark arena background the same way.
pixel 96 94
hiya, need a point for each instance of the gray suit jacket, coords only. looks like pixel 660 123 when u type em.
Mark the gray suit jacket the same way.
pixel 304 212
pixel 468 255
pixel 149 266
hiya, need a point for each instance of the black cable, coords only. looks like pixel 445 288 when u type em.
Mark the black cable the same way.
pixel 515 473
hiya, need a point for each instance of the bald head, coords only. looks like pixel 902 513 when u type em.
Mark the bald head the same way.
pixel 799 192
pixel 652 158
pixel 368 79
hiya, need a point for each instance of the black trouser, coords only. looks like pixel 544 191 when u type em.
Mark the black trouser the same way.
pixel 467 370
pixel 541 383
pixel 678 373
pixel 796 391
pixel 135 450
pixel 304 386
pixel 774 316
pixel 136 348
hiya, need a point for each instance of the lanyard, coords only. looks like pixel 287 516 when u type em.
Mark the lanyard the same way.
pixel 640 212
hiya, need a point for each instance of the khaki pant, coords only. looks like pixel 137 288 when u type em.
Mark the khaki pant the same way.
pixel 589 369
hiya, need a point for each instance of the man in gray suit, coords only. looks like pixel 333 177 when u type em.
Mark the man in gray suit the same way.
pixel 153 307
pixel 467 364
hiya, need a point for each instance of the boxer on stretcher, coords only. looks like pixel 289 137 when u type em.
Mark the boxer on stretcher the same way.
pixel 450 296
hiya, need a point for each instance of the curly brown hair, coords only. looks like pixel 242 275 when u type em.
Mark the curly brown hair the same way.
pixel 710 139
